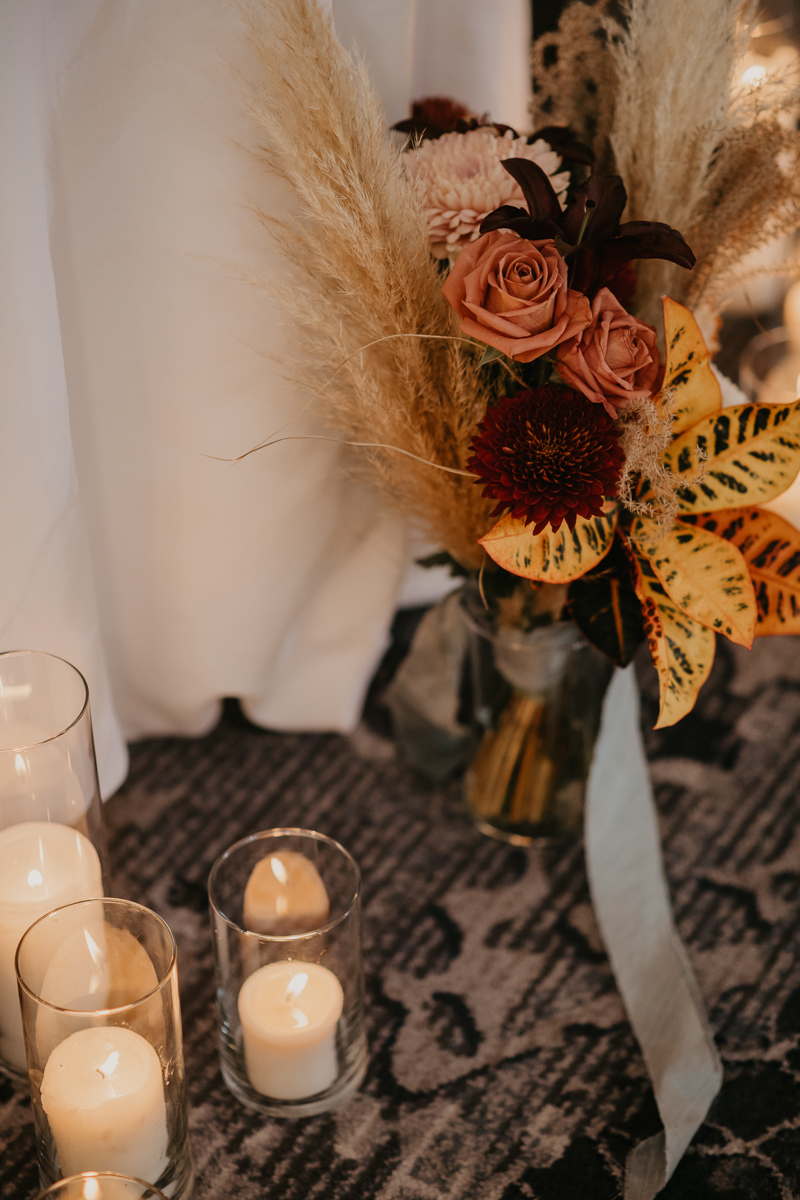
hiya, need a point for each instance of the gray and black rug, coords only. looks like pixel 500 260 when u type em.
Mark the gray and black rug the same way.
pixel 502 1065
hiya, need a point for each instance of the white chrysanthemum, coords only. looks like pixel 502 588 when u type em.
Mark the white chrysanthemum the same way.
pixel 463 180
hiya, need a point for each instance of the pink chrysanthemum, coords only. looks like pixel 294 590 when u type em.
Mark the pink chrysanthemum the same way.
pixel 463 181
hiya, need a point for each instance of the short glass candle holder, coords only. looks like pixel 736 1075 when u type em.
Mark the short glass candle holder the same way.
pixel 101 1185
pixel 98 986
pixel 769 371
pixel 52 849
pixel 286 919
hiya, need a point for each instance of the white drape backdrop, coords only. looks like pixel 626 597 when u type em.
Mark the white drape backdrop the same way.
pixel 130 351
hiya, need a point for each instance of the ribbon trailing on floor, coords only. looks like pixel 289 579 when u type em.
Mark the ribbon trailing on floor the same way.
pixel 651 967
pixel 626 877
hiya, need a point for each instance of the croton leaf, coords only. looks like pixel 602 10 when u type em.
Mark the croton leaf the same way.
pixel 753 454
pixel 550 557
pixel 771 548
pixel 705 576
pixel 604 606
pixel 687 372
pixel 682 649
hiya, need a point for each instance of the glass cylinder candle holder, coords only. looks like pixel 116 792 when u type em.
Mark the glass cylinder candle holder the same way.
pixel 52 849
pixel 769 371
pixel 101 1185
pixel 98 985
pixel 286 919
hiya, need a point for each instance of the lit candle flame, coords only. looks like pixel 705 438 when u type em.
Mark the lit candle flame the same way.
pixel 295 986
pixel 279 870
pixel 94 949
pixel 20 765
pixel 91 1189
pixel 34 878
pixel 109 1066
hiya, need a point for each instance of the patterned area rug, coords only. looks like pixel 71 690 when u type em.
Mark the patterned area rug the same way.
pixel 502 1065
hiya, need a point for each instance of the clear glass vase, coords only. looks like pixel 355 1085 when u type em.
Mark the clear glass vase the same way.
pixel 98 987
pixel 290 982
pixel 52 848
pixel 537 695
pixel 101 1185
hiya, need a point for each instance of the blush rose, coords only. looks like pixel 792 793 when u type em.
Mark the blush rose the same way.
pixel 614 359
pixel 512 294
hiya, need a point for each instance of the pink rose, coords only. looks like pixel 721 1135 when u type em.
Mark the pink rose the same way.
pixel 512 294
pixel 612 360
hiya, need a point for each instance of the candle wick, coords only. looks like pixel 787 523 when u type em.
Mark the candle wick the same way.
pixel 109 1066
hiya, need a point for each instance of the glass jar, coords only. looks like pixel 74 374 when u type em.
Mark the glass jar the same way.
pixel 98 983
pixel 101 1185
pixel 537 696
pixel 286 918
pixel 52 847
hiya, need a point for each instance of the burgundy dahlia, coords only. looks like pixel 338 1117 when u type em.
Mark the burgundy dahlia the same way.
pixel 548 455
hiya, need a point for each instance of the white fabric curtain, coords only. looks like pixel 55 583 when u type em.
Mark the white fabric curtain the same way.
pixel 132 353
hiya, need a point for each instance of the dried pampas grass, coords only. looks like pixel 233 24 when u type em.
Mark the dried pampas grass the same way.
pixel 717 165
pixel 381 346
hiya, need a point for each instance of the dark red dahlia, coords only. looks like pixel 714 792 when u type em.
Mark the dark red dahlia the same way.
pixel 548 455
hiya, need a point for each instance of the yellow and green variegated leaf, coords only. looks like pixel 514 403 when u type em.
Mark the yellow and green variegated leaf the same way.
pixel 682 649
pixel 705 576
pixel 550 557
pixel 753 454
pixel 687 371
pixel 771 548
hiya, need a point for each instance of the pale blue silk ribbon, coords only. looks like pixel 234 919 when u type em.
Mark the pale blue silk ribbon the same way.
pixel 650 964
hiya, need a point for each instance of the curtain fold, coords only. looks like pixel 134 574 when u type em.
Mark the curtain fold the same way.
pixel 136 357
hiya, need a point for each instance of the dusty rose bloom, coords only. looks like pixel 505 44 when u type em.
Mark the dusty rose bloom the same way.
pixel 462 180
pixel 512 294
pixel 614 359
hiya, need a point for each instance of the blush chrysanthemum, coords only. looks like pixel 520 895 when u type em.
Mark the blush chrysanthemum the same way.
pixel 462 180
pixel 548 456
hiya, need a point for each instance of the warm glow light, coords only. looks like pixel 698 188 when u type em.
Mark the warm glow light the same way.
pixel 295 986
pixel 34 878
pixel 94 949
pixel 20 765
pixel 279 870
pixel 91 1189
pixel 754 76
pixel 109 1066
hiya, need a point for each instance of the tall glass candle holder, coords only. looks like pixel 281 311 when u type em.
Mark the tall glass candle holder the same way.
pixel 52 849
pixel 101 1185
pixel 286 919
pixel 98 985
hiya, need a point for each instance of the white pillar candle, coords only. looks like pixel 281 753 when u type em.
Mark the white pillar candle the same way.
pixel 103 1094
pixel 285 895
pixel 97 966
pixel 42 866
pixel 289 1013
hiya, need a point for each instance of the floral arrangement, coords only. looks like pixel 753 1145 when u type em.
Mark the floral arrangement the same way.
pixel 481 321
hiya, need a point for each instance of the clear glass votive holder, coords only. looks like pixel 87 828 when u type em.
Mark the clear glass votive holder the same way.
pixel 769 371
pixel 98 987
pixel 101 1185
pixel 52 848
pixel 290 1004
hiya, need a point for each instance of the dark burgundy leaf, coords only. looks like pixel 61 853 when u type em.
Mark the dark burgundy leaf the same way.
pixel 664 241
pixel 520 222
pixel 537 189
pixel 584 268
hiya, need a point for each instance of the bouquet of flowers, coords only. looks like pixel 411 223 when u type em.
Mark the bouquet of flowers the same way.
pixel 481 319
